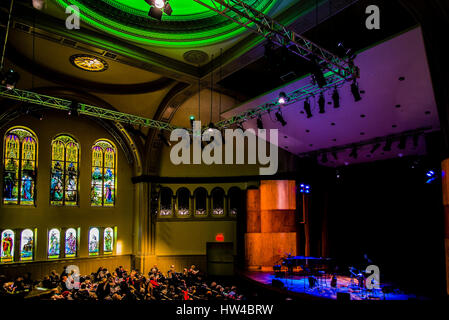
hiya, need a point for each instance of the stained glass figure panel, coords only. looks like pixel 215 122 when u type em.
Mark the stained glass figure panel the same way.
pixel 94 242
pixel 70 243
pixel 54 238
pixel 7 248
pixel 26 245
pixel 103 186
pixel 11 170
pixel 108 246
pixel 19 166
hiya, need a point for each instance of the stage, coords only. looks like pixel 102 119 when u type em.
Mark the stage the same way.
pixel 299 285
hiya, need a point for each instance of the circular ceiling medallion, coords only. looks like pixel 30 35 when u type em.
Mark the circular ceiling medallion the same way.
pixel 196 56
pixel 89 63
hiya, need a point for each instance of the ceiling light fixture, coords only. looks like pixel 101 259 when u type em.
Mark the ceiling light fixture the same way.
pixel 9 79
pixel 336 98
pixel 280 118
pixel 354 153
pixel 157 7
pixel 387 146
pixel 355 91
pixel 321 103
pixel 282 98
pixel 307 108
pixel 259 123
pixel 375 147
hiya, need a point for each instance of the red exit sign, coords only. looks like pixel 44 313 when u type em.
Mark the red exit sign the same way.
pixel 219 237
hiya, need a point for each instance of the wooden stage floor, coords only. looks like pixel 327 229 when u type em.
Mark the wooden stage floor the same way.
pixel 323 289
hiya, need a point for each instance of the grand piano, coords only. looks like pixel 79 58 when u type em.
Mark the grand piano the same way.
pixel 308 265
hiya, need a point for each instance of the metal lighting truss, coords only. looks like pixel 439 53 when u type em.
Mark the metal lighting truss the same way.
pixel 256 21
pixel 292 97
pixel 82 108
pixel 340 70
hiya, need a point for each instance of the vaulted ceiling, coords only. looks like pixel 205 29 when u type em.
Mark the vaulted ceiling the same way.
pixel 154 67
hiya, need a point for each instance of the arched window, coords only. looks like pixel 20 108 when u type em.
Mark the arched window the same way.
pixel 54 240
pixel 7 248
pixel 27 245
pixel 94 242
pixel 200 202
pixel 64 171
pixel 103 186
pixel 108 241
pixel 217 196
pixel 183 200
pixel 20 166
pixel 235 201
pixel 71 243
pixel 166 202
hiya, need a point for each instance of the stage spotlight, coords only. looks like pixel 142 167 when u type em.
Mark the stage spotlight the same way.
pixel 402 143
pixel 387 146
pixel 210 127
pixel 355 91
pixel 157 7
pixel 431 176
pixel 282 98
pixel 337 174
pixel 354 153
pixel 259 123
pixel 334 154
pixel 38 4
pixel 73 111
pixel 164 139
pixel 307 108
pixel 321 103
pixel 304 188
pixel 324 158
pixel 318 74
pixel 336 98
pixel 280 118
pixel 10 79
pixel 375 147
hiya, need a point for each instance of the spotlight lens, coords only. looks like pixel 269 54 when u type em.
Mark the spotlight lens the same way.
pixel 159 4
pixel 282 100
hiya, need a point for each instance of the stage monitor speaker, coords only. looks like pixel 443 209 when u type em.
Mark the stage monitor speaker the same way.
pixel 277 283
pixel 343 296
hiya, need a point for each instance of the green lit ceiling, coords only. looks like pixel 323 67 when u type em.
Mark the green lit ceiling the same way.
pixel 190 25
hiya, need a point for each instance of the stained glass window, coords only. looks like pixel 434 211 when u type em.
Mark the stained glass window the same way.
pixel 64 171
pixel 108 246
pixel 20 157
pixel 70 243
pixel 94 241
pixel 26 245
pixel 103 174
pixel 54 238
pixel 7 249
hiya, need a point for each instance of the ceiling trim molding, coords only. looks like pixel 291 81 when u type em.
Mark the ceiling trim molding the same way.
pixel 52 75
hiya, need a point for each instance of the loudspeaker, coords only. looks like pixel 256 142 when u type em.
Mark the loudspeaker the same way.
pixel 343 296
pixel 277 283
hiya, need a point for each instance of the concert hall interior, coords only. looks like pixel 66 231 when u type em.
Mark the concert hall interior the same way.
pixel 224 150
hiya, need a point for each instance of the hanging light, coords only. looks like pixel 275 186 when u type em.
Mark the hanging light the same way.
pixel 282 98
pixel 336 98
pixel 355 91
pixel 307 108
pixel 321 103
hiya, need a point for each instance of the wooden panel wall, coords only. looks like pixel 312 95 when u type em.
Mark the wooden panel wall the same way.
pixel 277 195
pixel 271 223
pixel 253 210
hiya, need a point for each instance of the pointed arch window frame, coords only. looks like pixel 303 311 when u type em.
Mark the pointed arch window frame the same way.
pixel 64 201
pixel 103 145
pixel 22 133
